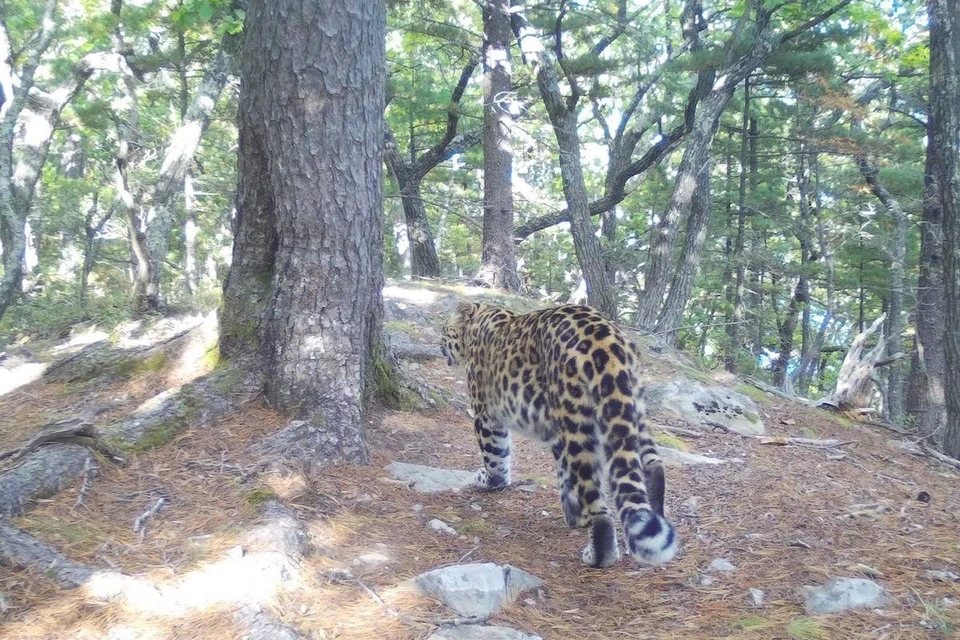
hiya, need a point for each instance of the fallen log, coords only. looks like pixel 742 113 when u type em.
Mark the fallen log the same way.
pixel 804 442
pixel 854 390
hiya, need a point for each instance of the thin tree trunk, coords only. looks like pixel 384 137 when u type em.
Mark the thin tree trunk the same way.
pixel 424 262
pixel 190 231
pixel 177 157
pixel 944 18
pixel 898 250
pixel 735 328
pixel 498 262
pixel 681 285
pixel 36 114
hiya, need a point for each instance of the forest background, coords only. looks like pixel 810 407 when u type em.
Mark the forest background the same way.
pixel 749 181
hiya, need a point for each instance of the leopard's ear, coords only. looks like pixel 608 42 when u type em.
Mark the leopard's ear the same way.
pixel 466 309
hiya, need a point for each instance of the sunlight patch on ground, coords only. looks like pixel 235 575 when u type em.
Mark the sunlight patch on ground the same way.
pixel 18 376
pixel 413 296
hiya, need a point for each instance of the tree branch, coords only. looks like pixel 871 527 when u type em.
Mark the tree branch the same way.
pixel 436 154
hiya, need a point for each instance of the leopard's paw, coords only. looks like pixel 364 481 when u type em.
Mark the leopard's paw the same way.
pixel 486 481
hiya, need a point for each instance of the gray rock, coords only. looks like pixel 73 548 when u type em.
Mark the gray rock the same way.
pixel 517 581
pixel 475 590
pixel 690 506
pixel 370 560
pixel 942 576
pixel 677 458
pixel 841 594
pixel 756 597
pixel 430 479
pixel 475 632
pixel 441 527
pixel 704 405
pixel 721 565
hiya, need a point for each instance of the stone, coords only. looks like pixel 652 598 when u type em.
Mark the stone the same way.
pixel 426 479
pixel 475 590
pixel 756 597
pixel 842 594
pixel 721 565
pixel 477 632
pixel 370 560
pixel 942 576
pixel 677 458
pixel 441 527
pixel 704 406
pixel 690 505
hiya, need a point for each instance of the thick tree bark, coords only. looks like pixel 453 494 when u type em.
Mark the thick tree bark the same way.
pixel 498 262
pixel 945 122
pixel 311 136
pixel 925 397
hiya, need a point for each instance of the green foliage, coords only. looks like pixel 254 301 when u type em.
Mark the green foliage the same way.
pixel 258 496
pixel 52 313
pixel 806 629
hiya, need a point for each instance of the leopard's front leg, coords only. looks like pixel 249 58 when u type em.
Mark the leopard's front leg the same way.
pixel 495 448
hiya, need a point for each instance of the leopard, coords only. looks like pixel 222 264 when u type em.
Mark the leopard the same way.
pixel 569 377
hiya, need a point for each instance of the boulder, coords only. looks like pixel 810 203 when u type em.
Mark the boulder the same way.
pixel 842 594
pixel 475 590
pixel 476 632
pixel 677 458
pixel 430 479
pixel 704 406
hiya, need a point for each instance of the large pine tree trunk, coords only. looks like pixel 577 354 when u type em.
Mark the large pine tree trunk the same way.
pixel 499 258
pixel 945 114
pixel 925 397
pixel 311 134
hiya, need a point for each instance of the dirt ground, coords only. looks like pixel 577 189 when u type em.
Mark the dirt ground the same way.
pixel 784 516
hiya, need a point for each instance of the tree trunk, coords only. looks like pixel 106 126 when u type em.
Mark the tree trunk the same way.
pixel 424 262
pixel 498 267
pixel 898 250
pixel 179 153
pixel 945 116
pixel 925 398
pixel 698 221
pixel 563 118
pixel 35 113
pixel 735 328
pixel 311 136
pixel 854 388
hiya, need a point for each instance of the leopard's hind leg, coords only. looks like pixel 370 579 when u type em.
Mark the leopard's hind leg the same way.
pixel 579 471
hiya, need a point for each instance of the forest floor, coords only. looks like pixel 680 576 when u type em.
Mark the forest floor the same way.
pixel 785 516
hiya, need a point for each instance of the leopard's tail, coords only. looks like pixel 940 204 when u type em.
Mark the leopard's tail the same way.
pixel 638 483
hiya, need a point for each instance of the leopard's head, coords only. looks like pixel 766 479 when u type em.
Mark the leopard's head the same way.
pixel 453 333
